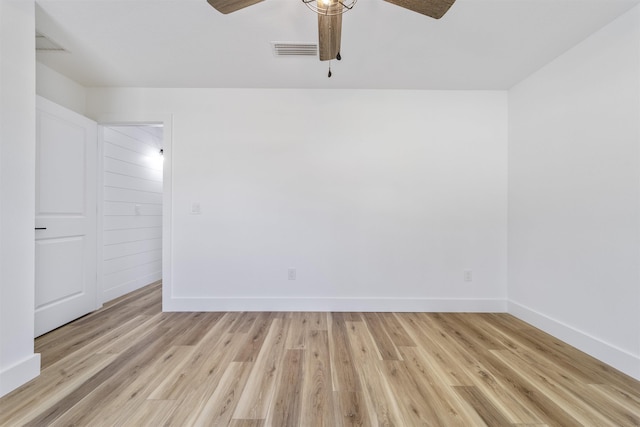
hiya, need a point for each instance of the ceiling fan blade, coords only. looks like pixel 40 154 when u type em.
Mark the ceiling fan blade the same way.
pixel 228 6
pixel 433 8
pixel 329 34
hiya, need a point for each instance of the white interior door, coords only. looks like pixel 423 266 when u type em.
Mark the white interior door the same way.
pixel 65 217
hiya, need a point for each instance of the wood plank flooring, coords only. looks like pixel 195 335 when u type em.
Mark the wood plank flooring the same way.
pixel 129 364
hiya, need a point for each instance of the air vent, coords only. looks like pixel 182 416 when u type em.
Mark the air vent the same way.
pixel 295 49
pixel 45 44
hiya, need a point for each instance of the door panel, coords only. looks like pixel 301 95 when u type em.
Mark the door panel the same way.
pixel 62 154
pixel 66 149
pixel 57 275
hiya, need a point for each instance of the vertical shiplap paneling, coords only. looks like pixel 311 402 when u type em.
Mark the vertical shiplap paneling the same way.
pixel 132 209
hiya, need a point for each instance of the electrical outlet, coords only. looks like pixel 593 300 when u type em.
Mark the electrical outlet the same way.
pixel 468 276
pixel 195 208
pixel 136 209
pixel 291 274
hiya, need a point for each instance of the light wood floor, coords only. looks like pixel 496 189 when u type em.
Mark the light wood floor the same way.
pixel 129 364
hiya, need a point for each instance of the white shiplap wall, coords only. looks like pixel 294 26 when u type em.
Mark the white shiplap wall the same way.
pixel 132 209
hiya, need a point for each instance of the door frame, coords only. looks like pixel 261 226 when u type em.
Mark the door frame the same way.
pixel 129 119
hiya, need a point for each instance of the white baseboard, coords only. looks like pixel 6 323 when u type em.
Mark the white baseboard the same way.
pixel 19 374
pixel 335 304
pixel 616 357
pixel 125 288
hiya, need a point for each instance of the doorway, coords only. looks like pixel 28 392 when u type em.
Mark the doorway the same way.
pixel 102 210
pixel 130 208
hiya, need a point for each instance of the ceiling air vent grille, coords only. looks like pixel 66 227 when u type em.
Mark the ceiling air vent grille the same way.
pixel 45 44
pixel 294 49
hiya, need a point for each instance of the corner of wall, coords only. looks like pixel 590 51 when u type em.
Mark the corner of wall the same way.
pixel 18 363
pixel 19 374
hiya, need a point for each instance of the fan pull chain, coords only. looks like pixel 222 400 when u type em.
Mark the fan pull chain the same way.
pixel 329 75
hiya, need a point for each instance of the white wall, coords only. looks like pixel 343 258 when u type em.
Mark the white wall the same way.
pixel 60 89
pixel 18 363
pixel 380 200
pixel 132 209
pixel 574 196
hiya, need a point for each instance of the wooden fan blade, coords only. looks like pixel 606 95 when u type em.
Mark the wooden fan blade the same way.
pixel 433 8
pixel 329 34
pixel 228 6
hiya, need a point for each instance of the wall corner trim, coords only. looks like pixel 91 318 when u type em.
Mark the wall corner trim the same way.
pixel 616 357
pixel 19 374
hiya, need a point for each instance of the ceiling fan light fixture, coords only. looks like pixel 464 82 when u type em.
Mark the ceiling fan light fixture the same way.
pixel 330 12
pixel 329 7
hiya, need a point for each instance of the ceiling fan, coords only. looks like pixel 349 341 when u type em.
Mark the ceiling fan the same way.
pixel 330 17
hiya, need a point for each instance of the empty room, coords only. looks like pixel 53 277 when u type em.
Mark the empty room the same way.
pixel 320 213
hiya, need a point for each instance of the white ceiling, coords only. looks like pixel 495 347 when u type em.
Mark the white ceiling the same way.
pixel 479 44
